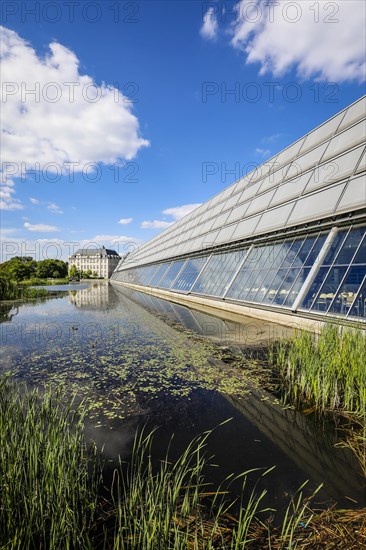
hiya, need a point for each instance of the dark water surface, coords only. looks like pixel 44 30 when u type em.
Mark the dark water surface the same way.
pixel 141 360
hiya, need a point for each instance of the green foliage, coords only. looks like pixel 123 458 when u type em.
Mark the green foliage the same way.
pixel 49 489
pixel 46 500
pixel 326 370
pixel 74 273
pixel 51 268
pixel 10 289
pixel 19 267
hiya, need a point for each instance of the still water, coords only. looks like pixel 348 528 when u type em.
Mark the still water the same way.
pixel 139 360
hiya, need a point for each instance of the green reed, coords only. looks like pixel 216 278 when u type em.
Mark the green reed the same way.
pixel 46 498
pixel 52 494
pixel 327 371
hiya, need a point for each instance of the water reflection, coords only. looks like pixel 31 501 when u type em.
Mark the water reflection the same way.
pixel 7 312
pixel 98 295
pixel 250 332
pixel 110 346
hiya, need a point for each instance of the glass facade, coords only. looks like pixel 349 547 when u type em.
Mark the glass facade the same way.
pixel 237 246
pixel 274 274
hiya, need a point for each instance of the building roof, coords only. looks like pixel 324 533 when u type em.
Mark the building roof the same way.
pixel 104 252
pixel 318 176
pixel 288 237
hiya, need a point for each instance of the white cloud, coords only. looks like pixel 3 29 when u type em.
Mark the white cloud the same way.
pixel 263 152
pixel 113 238
pixel 125 221
pixel 54 208
pixel 155 224
pixel 210 26
pixel 34 201
pixel 323 40
pixel 87 123
pixel 271 139
pixel 178 212
pixel 41 228
pixel 7 231
pixel 7 201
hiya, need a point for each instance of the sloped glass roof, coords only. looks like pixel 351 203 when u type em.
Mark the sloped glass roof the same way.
pixel 316 179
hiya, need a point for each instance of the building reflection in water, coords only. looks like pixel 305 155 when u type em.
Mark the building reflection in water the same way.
pixel 99 295
pixel 250 332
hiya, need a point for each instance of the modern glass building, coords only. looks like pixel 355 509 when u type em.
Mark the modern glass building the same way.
pixel 286 242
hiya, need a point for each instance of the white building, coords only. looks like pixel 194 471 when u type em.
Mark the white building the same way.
pixel 101 261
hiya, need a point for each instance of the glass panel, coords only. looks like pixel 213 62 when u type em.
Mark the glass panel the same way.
pixel 292 258
pixel 189 274
pixel 271 260
pixel 354 113
pixel 336 169
pixel 315 286
pixel 148 274
pixel 171 274
pixel 360 257
pixel 158 275
pixel 359 307
pixel 329 288
pixel 348 290
pixel 323 132
pixel 218 273
pixel 265 285
pixel 345 140
pixel 349 246
pixel 238 286
pixel 354 196
pixel 314 252
pixel 281 286
pixel 335 247
pixel 317 205
pixel 297 285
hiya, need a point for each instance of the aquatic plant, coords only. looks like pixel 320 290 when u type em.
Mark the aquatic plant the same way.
pixel 326 371
pixel 10 289
pixel 46 497
pixel 52 492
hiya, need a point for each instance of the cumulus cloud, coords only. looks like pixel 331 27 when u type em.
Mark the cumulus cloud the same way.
pixel 210 26
pixel 41 228
pixel 54 208
pixel 7 200
pixel 178 212
pixel 271 139
pixel 323 40
pixel 51 113
pixel 263 152
pixel 125 221
pixel 155 224
pixel 34 201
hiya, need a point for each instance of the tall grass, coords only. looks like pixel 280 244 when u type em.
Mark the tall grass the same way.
pixel 327 371
pixel 51 497
pixel 46 499
pixel 166 509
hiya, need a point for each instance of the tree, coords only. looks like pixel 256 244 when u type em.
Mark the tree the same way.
pixel 47 269
pixel 74 273
pixel 21 267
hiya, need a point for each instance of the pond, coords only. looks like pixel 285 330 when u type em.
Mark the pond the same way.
pixel 140 360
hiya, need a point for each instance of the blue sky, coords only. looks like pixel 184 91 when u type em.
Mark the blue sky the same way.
pixel 142 109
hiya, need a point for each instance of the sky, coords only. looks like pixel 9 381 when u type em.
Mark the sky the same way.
pixel 120 117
